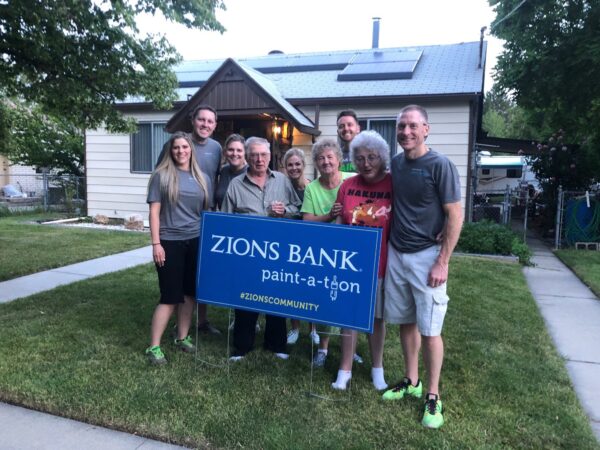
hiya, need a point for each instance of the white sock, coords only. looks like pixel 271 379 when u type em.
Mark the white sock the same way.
pixel 377 377
pixel 324 351
pixel 343 377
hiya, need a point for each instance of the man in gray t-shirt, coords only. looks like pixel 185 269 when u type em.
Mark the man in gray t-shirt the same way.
pixel 426 205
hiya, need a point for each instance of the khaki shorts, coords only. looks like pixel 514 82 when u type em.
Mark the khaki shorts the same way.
pixel 408 297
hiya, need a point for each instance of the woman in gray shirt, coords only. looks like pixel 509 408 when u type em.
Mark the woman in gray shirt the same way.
pixel 178 192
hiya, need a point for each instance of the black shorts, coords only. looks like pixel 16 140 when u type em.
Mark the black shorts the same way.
pixel 177 277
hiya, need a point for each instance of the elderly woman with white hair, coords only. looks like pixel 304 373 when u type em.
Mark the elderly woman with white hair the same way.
pixel 366 200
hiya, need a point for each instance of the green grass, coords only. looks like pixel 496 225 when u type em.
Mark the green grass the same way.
pixel 26 247
pixel 77 351
pixel 585 264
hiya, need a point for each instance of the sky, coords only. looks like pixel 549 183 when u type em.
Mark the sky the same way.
pixel 255 27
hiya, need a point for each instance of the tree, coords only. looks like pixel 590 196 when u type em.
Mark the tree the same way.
pixel 35 139
pixel 77 58
pixel 551 65
pixel 503 118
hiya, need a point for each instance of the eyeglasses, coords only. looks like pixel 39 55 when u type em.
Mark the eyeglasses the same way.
pixel 371 158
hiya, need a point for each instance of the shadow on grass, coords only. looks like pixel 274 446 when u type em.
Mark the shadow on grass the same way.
pixel 77 351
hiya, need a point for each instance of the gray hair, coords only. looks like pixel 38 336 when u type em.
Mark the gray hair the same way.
pixel 371 140
pixel 326 144
pixel 294 152
pixel 422 111
pixel 256 141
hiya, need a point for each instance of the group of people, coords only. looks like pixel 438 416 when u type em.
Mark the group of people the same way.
pixel 415 199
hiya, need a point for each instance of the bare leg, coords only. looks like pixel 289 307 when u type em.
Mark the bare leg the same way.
pixel 160 320
pixel 184 317
pixel 411 344
pixel 433 357
pixel 295 324
pixel 348 345
pixel 324 344
pixel 376 341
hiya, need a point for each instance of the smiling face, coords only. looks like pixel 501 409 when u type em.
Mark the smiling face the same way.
pixel 369 165
pixel 328 162
pixel 294 167
pixel 347 128
pixel 204 124
pixel 235 155
pixel 181 153
pixel 411 132
pixel 259 157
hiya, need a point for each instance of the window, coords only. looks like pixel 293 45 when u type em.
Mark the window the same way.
pixel 485 171
pixel 146 145
pixel 514 173
pixel 385 127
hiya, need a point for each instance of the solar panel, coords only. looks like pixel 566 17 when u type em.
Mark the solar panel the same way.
pixel 297 63
pixel 378 65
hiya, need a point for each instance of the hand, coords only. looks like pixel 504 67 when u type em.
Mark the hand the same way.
pixel 438 274
pixel 277 208
pixel 158 254
pixel 336 210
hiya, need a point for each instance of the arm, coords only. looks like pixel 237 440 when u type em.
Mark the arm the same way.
pixel 333 214
pixel 158 252
pixel 454 219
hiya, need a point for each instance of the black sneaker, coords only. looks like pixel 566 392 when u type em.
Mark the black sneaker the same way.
pixel 207 328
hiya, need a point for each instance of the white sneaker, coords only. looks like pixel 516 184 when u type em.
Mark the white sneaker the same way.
pixel 315 337
pixel 293 336
pixel 357 358
pixel 282 355
pixel 343 378
pixel 236 358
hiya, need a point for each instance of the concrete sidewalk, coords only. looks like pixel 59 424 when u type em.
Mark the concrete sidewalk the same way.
pixel 572 315
pixel 22 428
pixel 43 281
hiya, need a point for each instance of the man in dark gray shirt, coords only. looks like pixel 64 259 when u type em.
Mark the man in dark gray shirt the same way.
pixel 260 192
pixel 426 204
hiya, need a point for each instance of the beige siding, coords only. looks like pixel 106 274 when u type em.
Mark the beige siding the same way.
pixel 449 123
pixel 112 189
pixel 116 192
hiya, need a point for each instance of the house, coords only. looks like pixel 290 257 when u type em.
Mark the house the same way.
pixel 292 100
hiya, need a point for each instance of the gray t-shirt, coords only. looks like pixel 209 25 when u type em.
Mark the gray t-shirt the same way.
pixel 208 156
pixel 225 177
pixel 421 187
pixel 180 221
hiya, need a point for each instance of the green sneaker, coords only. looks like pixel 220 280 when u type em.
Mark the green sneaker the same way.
pixel 405 387
pixel 433 418
pixel 155 355
pixel 185 344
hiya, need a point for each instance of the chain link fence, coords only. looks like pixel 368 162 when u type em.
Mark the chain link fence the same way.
pixel 44 191
pixel 515 207
pixel 578 220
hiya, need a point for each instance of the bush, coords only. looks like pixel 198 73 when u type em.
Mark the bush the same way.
pixel 491 238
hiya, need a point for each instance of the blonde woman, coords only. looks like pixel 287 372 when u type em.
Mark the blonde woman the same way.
pixel 177 195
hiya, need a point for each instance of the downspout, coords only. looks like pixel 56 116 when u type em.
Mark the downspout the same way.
pixel 317 117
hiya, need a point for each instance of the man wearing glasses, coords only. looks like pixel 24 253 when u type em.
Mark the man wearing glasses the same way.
pixel 426 205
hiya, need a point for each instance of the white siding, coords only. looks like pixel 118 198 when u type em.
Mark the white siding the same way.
pixel 112 189
pixel 449 128
pixel 116 192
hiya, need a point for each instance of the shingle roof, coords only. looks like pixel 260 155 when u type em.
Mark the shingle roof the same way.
pixel 441 70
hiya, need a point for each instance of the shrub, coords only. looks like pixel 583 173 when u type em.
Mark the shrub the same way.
pixel 491 238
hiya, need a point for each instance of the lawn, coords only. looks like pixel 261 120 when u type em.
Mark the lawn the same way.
pixel 77 351
pixel 27 247
pixel 585 264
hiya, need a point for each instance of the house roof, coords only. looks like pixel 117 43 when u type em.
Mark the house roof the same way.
pixel 234 86
pixel 435 70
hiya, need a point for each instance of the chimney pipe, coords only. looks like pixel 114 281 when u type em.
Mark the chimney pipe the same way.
pixel 376 32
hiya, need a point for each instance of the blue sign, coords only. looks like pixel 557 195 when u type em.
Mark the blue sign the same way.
pixel 310 271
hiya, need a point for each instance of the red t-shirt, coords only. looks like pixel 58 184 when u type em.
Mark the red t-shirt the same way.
pixel 368 205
